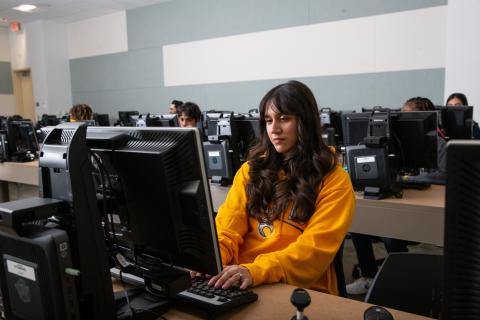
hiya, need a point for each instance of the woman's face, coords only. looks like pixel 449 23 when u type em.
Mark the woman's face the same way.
pixel 454 102
pixel 281 129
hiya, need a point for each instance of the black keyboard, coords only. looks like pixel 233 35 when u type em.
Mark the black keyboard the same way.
pixel 203 296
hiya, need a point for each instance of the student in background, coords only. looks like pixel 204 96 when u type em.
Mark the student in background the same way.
pixel 81 112
pixel 174 105
pixel 459 99
pixel 290 204
pixel 362 242
pixel 189 115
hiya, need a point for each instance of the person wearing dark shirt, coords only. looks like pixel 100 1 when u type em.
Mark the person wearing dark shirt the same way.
pixel 459 99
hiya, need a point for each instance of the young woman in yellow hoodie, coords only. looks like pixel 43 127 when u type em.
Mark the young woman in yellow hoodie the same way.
pixel 290 205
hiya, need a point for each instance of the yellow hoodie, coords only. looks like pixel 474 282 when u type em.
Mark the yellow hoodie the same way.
pixel 287 251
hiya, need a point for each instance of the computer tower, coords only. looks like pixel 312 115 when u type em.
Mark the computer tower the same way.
pixel 35 275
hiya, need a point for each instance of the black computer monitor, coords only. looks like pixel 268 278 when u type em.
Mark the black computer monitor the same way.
pixel 49 120
pixel 457 121
pixel 152 186
pixel 248 129
pixel 461 287
pixel 386 144
pixel 102 119
pixel 125 118
pixel 224 150
pixel 164 203
pixel 331 122
pixel 355 127
pixel 416 136
pixel 161 120
pixel 22 140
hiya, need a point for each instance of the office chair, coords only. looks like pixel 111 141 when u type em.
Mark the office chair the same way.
pixel 410 282
pixel 338 265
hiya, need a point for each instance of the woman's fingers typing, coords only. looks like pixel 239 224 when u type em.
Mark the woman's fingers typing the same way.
pixel 233 275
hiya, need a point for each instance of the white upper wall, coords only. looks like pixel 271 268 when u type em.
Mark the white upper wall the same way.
pixel 462 70
pixel 400 41
pixel 98 36
pixel 4 45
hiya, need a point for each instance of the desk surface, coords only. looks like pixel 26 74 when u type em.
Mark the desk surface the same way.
pixel 20 172
pixel 274 303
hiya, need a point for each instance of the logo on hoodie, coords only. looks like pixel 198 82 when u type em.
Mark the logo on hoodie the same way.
pixel 265 230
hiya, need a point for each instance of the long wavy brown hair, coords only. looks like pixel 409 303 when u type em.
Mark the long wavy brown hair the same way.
pixel 303 168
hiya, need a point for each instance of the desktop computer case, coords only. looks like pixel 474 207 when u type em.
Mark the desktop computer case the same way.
pixel 30 268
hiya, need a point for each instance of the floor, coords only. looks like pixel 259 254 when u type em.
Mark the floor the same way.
pixel 19 191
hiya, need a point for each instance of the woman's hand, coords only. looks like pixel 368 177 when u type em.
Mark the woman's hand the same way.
pixel 232 275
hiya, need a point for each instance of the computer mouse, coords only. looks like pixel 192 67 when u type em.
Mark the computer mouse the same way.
pixel 377 313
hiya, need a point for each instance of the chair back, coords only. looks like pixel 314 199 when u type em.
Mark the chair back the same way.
pixel 410 282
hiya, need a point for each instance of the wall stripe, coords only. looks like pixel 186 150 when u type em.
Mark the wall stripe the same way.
pixel 400 41
pixel 4 46
pixel 7 104
pixel 6 85
pixel 343 92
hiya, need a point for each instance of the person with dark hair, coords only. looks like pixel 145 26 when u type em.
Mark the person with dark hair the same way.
pixel 459 99
pixel 418 104
pixel 290 204
pixel 362 242
pixel 174 105
pixel 189 115
pixel 81 112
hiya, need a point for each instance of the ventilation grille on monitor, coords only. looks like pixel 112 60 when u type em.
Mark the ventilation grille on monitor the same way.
pixel 462 231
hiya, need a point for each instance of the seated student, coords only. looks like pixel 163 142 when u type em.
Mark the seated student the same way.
pixel 189 115
pixel 290 204
pixel 362 242
pixel 459 99
pixel 174 105
pixel 81 112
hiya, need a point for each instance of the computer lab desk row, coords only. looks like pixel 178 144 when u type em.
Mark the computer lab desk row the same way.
pixel 274 303
pixel 418 216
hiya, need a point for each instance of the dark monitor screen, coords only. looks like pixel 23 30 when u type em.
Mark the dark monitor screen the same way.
pixel 162 120
pixel 417 135
pixel 49 120
pixel 125 118
pixel 165 207
pixel 331 122
pixel 248 130
pixel 22 140
pixel 355 127
pixel 413 136
pixel 102 119
pixel 457 121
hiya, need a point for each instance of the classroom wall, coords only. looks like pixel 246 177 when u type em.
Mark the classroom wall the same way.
pixel 42 47
pixel 164 37
pixel 7 99
pixel 463 51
